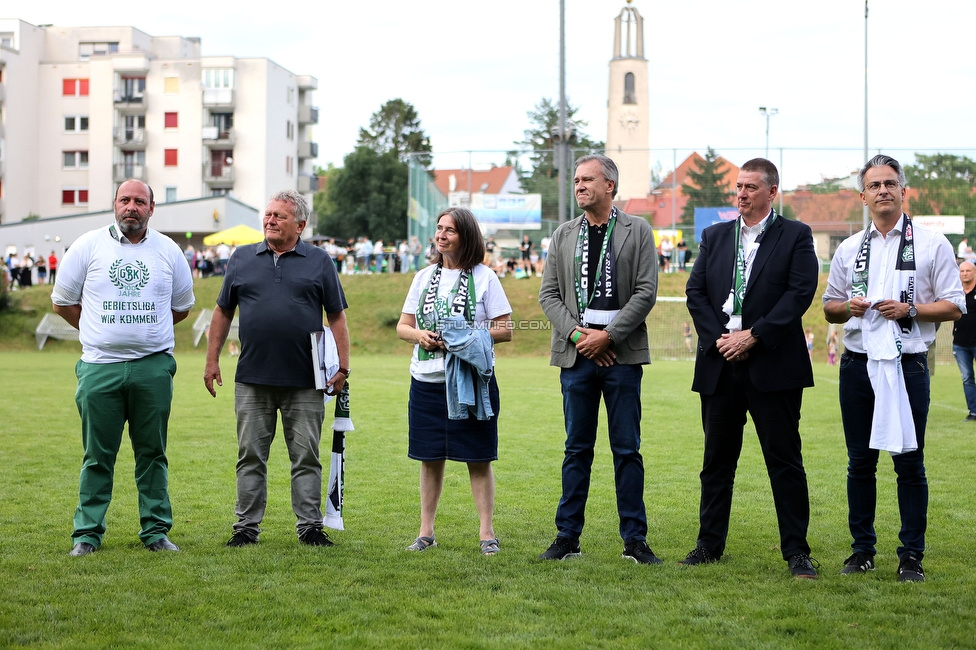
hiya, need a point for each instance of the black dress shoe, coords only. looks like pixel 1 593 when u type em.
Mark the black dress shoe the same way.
pixel 81 549
pixel 163 545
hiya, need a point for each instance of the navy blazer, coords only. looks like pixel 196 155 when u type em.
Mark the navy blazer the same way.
pixel 781 287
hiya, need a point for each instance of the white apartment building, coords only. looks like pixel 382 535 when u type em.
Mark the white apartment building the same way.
pixel 84 108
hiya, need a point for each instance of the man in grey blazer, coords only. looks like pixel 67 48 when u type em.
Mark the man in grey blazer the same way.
pixel 599 284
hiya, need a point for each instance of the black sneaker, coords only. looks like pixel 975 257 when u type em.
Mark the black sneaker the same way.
pixel 803 566
pixel 858 563
pixel 698 555
pixel 640 553
pixel 970 417
pixel 315 537
pixel 561 549
pixel 910 569
pixel 241 538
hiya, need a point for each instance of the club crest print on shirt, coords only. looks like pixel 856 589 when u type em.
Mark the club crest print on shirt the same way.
pixel 130 278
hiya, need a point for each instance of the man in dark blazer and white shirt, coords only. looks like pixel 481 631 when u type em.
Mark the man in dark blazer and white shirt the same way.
pixel 753 280
pixel 599 284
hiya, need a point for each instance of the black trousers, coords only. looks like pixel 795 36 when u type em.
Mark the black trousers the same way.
pixel 777 419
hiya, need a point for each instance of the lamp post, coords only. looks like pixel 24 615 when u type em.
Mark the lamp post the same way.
pixel 768 113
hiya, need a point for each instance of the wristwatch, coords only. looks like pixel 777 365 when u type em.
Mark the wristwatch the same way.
pixel 344 371
pixel 912 312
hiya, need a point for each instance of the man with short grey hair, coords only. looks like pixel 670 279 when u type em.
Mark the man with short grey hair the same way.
pixel 598 286
pixel 282 287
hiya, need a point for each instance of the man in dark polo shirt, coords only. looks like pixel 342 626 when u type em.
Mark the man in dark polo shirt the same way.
pixel 281 286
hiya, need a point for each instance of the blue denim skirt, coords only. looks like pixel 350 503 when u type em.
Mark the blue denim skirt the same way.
pixel 433 436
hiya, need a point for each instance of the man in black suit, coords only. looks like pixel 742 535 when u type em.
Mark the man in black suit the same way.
pixel 748 290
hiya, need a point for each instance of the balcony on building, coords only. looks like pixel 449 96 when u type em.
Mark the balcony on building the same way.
pixel 217 175
pixel 308 114
pixel 130 102
pixel 130 63
pixel 307 82
pixel 308 150
pixel 130 137
pixel 218 97
pixel 216 137
pixel 125 171
pixel 308 183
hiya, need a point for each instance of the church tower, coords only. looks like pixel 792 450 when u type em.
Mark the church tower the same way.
pixel 628 135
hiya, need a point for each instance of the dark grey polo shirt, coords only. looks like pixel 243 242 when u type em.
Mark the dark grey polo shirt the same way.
pixel 278 307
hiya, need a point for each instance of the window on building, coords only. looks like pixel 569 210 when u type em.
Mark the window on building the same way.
pixel 7 39
pixel 290 130
pixel 288 164
pixel 87 50
pixel 75 159
pixel 170 157
pixel 630 97
pixel 74 87
pixel 171 119
pixel 219 191
pixel 75 123
pixel 170 195
pixel 132 159
pixel 171 85
pixel 218 78
pixel 132 88
pixel 224 123
pixel 74 196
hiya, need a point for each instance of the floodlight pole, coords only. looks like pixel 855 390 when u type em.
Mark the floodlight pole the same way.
pixel 864 215
pixel 560 144
pixel 768 113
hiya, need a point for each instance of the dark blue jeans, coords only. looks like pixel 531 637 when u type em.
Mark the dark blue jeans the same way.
pixel 964 359
pixel 620 387
pixel 857 408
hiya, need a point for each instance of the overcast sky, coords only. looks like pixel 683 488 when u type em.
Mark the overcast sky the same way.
pixel 473 69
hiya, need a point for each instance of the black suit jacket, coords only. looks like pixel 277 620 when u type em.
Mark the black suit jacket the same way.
pixel 781 288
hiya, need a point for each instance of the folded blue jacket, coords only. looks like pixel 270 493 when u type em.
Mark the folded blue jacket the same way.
pixel 469 365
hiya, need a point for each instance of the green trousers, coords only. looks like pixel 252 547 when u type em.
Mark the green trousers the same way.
pixel 109 395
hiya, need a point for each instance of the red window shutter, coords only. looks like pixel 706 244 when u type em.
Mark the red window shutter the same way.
pixel 82 86
pixel 82 196
pixel 68 86
pixel 170 157
pixel 171 120
pixel 68 197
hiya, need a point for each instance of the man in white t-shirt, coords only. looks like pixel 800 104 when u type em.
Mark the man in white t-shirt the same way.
pixel 124 287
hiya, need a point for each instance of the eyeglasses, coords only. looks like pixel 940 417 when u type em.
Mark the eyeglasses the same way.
pixel 875 187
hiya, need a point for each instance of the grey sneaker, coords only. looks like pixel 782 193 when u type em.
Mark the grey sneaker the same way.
pixel 562 548
pixel 858 563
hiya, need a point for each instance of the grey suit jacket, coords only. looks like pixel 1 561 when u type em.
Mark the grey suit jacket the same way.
pixel 636 278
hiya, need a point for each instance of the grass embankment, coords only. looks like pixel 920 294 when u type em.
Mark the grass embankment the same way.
pixel 375 302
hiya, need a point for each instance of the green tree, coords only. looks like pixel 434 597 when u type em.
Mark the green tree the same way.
pixel 543 177
pixel 707 189
pixel 945 185
pixel 368 194
pixel 396 128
